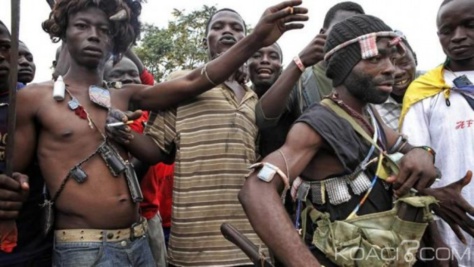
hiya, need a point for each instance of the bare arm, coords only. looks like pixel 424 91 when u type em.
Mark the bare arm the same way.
pixel 262 203
pixel 143 148
pixel 25 132
pixel 273 102
pixel 274 22
pixel 417 168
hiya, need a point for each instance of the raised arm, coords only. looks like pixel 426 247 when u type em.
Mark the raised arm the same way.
pixel 273 102
pixel 262 202
pixel 275 21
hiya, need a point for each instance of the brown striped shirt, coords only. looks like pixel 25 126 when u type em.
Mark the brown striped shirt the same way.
pixel 215 143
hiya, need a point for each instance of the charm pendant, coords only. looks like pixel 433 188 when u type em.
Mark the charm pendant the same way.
pixel 73 104
pixel 100 96
pixel 133 183
pixel 47 216
pixel 79 110
pixel 112 159
pixel 78 174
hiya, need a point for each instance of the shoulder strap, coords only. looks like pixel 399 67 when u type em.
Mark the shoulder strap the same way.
pixel 386 165
pixel 341 113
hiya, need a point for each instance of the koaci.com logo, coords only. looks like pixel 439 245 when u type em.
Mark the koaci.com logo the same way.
pixel 408 250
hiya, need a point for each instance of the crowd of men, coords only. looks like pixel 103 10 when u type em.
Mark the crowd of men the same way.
pixel 348 156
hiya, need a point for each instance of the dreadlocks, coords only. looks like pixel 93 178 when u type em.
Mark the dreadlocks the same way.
pixel 125 29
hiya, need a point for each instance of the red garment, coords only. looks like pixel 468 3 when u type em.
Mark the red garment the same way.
pixel 165 174
pixel 157 185
pixel 8 236
pixel 147 78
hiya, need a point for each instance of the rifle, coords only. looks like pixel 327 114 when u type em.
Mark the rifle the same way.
pixel 12 82
pixel 242 242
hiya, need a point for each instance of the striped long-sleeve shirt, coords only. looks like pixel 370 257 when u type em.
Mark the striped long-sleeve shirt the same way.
pixel 215 138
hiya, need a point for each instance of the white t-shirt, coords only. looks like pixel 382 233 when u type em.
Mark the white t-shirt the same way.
pixel 449 130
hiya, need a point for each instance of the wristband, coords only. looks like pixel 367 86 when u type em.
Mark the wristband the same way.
pixel 429 150
pixel 299 63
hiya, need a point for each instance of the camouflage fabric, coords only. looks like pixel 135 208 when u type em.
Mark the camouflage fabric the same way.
pixel 377 239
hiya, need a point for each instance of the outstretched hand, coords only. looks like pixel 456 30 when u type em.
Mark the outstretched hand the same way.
pixel 121 134
pixel 452 206
pixel 416 171
pixel 278 19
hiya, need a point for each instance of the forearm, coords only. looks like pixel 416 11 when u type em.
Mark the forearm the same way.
pixel 140 167
pixel 143 148
pixel 265 211
pixel 262 121
pixel 273 102
pixel 171 93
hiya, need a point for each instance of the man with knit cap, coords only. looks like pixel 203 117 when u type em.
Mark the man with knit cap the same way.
pixel 347 184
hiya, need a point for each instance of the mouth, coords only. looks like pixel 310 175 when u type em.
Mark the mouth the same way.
pixel 4 69
pixel 264 72
pixel 460 49
pixel 93 50
pixel 386 87
pixel 228 40
pixel 25 72
pixel 402 83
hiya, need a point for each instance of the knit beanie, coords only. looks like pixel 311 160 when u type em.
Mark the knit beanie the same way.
pixel 340 64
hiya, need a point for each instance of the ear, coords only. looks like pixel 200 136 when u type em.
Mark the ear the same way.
pixel 204 43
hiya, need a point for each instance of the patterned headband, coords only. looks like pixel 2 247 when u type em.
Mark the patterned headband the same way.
pixel 368 44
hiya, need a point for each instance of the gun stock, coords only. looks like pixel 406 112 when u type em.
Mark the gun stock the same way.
pixel 242 242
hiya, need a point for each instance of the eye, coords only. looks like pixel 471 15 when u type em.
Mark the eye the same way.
pixel 470 24
pixel 445 31
pixel 238 28
pixel 375 59
pixel 5 47
pixel 402 63
pixel 274 56
pixel 106 30
pixel 257 55
pixel 81 26
pixel 216 26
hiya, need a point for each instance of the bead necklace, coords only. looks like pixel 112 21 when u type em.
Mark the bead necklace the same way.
pixel 335 97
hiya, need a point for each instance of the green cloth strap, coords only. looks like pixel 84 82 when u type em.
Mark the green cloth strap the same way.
pixel 343 114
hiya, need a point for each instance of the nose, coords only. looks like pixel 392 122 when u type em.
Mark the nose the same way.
pixel 459 34
pixel 398 72
pixel 22 61
pixel 265 59
pixel 389 67
pixel 93 35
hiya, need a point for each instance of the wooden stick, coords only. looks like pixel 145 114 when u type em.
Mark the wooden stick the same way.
pixel 12 82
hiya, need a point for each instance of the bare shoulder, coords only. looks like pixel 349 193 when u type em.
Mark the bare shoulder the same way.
pixel 35 94
pixel 38 88
pixel 301 135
